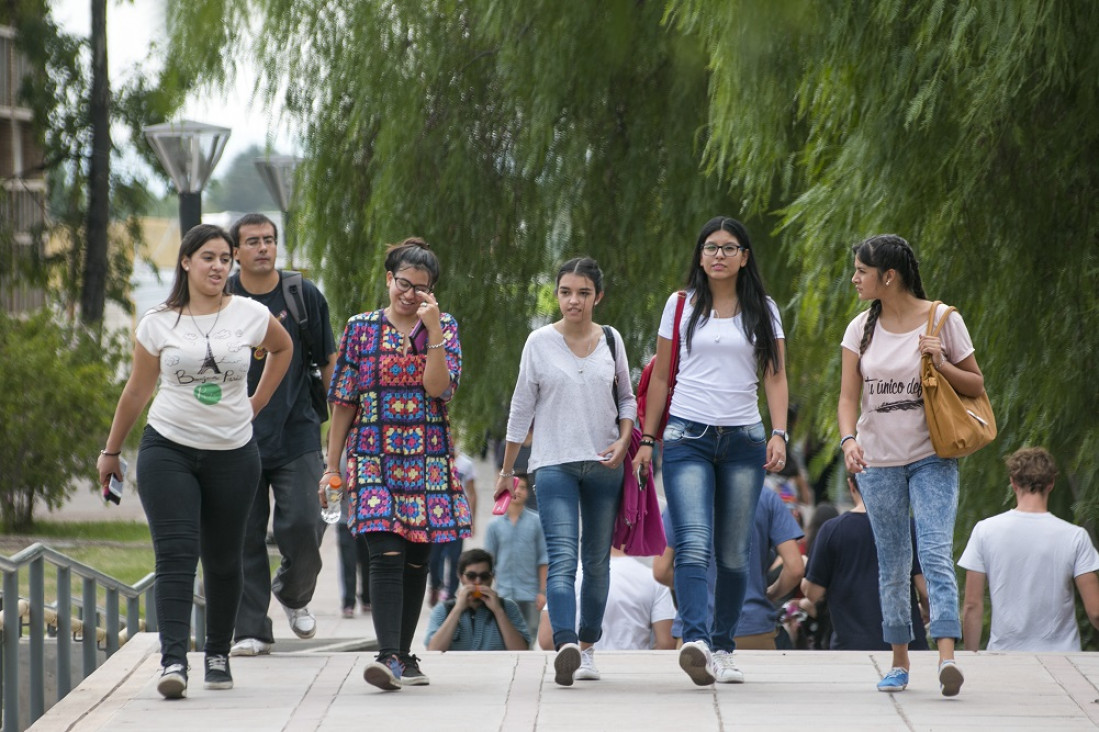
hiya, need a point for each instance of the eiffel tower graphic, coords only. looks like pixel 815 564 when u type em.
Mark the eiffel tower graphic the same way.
pixel 209 363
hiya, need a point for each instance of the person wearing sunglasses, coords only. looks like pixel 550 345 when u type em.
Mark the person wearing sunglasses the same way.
pixel 477 618
pixel 397 368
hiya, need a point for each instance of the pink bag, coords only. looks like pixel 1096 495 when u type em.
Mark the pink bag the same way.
pixel 639 530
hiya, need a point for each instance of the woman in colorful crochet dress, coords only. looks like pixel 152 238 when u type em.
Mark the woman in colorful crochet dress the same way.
pixel 397 369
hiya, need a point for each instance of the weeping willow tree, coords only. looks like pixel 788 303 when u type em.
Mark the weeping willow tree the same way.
pixel 971 129
pixel 510 135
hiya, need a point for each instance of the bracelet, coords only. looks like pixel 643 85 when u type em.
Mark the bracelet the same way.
pixel 440 344
pixel 110 454
pixel 846 438
pixel 509 474
pixel 330 472
pixel 942 360
pixel 647 443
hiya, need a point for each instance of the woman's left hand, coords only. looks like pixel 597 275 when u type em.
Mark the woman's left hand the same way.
pixel 776 454
pixel 614 455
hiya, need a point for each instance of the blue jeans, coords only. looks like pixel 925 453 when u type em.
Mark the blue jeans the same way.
pixel 712 479
pixel 929 489
pixel 569 495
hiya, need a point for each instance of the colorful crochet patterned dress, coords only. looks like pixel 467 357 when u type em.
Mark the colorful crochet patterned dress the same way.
pixel 400 472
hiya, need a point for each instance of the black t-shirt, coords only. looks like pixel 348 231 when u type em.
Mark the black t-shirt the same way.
pixel 288 427
pixel 845 562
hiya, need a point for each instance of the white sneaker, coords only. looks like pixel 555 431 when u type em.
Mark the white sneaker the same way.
pixel 725 670
pixel 565 664
pixel 695 659
pixel 587 670
pixel 302 622
pixel 250 647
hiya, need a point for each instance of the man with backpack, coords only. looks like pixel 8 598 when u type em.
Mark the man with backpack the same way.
pixel 288 434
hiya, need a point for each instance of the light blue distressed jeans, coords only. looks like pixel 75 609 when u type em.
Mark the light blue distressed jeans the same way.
pixel 712 480
pixel 928 491
pixel 583 493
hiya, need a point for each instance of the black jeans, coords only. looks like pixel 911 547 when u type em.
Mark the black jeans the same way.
pixel 354 563
pixel 196 502
pixel 398 579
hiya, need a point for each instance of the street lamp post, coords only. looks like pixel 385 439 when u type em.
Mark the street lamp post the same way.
pixel 188 151
pixel 278 172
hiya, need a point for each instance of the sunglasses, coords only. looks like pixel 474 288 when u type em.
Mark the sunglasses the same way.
pixel 474 576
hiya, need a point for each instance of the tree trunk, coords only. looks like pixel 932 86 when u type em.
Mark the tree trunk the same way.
pixel 93 294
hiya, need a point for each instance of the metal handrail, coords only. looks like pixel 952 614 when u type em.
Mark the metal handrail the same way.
pixel 38 617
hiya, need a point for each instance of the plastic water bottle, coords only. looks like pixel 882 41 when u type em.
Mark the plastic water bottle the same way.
pixel 334 495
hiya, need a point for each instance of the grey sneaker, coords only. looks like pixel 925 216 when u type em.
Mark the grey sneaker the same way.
pixel 725 669
pixel 695 659
pixel 173 681
pixel 302 622
pixel 587 670
pixel 250 647
pixel 566 663
pixel 411 675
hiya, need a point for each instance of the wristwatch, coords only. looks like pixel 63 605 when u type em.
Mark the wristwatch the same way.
pixel 782 434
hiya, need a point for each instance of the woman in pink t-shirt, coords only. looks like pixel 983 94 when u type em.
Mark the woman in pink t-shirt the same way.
pixel 889 448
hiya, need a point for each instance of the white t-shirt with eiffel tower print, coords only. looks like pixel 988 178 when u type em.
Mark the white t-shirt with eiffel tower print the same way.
pixel 202 401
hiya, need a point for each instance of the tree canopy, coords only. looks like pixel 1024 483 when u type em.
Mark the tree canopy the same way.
pixel 513 135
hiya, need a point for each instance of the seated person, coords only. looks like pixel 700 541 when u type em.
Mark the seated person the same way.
pixel 638 616
pixel 476 619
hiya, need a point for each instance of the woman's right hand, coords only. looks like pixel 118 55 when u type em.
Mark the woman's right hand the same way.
pixel 107 466
pixel 853 458
pixel 503 483
pixel 642 459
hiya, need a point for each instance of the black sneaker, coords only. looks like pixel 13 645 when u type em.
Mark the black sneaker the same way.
pixel 411 675
pixel 217 672
pixel 384 672
pixel 173 681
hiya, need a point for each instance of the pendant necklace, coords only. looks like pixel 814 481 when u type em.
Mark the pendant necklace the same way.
pixel 580 365
pixel 209 363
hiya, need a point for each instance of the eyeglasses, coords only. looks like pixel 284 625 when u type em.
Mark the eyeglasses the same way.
pixel 729 250
pixel 474 576
pixel 404 286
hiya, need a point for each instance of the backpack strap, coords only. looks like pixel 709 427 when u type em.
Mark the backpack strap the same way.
pixel 611 344
pixel 292 284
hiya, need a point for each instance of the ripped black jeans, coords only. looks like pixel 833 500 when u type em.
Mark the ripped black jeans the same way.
pixel 398 580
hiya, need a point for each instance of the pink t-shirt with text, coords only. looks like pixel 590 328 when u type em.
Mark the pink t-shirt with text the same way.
pixel 892 427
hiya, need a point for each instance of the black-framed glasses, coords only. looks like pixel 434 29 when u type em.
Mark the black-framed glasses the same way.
pixel 405 285
pixel 729 250
pixel 474 576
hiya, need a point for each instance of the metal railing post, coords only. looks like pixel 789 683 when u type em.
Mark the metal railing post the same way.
pixel 64 631
pixel 37 634
pixel 88 635
pixel 11 651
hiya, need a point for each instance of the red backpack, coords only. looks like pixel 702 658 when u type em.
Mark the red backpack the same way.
pixel 673 368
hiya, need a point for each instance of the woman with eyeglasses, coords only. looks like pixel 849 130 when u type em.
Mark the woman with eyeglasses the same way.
pixel 397 369
pixel 716 449
pixel 576 391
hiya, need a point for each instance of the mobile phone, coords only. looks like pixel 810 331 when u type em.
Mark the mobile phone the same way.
pixel 502 502
pixel 113 492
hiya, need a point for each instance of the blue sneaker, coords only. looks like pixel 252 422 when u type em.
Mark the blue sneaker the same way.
pixel 895 680
pixel 384 673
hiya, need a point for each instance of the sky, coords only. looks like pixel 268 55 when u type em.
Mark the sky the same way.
pixel 130 29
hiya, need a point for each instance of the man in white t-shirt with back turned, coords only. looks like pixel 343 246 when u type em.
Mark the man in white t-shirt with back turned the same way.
pixel 1031 560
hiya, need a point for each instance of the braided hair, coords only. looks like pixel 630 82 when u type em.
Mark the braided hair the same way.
pixel 759 329
pixel 884 252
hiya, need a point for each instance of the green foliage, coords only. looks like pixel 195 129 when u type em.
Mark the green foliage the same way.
pixel 63 389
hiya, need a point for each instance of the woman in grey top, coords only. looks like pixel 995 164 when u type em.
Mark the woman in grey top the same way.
pixel 577 393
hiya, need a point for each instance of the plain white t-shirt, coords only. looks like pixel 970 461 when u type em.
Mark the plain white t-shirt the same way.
pixel 1032 561
pixel 634 602
pixel 718 381
pixel 892 426
pixel 202 401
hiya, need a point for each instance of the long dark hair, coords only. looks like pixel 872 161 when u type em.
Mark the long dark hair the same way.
pixel 884 252
pixel 193 240
pixel 755 314
pixel 412 252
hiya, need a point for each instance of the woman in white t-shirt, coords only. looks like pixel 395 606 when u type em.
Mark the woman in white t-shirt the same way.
pixel 198 463
pixel 889 448
pixel 576 391
pixel 716 449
